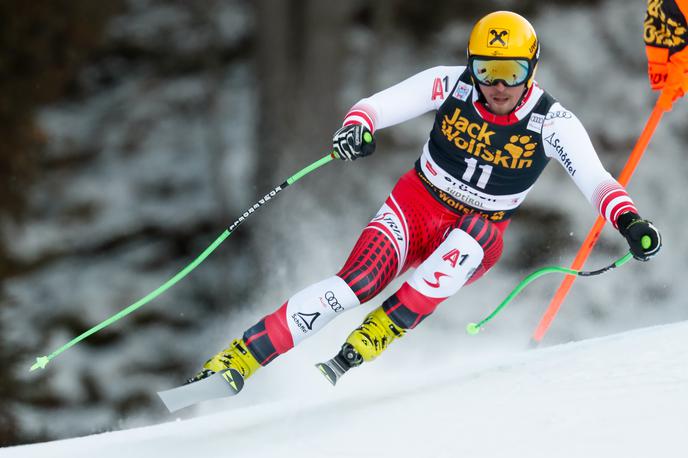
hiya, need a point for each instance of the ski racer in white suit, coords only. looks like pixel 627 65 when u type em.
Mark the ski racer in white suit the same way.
pixel 495 130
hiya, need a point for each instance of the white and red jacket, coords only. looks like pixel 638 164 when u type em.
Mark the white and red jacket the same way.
pixel 475 161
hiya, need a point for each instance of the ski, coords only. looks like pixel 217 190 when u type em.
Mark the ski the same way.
pixel 218 385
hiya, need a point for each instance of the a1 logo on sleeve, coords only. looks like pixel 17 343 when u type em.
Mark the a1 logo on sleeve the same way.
pixel 536 122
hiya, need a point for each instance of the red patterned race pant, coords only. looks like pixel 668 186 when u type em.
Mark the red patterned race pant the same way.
pixel 411 229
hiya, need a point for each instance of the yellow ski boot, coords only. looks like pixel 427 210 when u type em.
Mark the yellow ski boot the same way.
pixel 236 357
pixel 374 335
pixel 366 343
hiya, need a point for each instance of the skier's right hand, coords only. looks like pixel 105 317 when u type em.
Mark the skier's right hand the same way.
pixel 353 141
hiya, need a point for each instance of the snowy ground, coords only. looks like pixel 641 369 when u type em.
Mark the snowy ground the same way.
pixel 620 396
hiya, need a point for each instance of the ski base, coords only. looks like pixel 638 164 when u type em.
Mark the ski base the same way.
pixel 218 385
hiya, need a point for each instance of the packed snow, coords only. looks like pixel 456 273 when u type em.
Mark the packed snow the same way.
pixel 624 395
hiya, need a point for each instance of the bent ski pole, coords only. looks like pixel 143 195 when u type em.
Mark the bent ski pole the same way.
pixel 42 361
pixel 474 328
pixel 596 230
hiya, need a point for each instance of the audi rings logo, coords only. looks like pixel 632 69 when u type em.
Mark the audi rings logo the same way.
pixel 333 302
pixel 559 114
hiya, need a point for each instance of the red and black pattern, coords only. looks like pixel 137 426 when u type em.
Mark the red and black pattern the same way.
pixel 371 265
pixel 270 337
pixel 259 344
pixel 407 307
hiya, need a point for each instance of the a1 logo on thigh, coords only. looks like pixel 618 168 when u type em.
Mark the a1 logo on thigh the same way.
pixel 454 256
pixel 448 268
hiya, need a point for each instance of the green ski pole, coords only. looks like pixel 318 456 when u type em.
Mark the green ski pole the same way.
pixel 42 361
pixel 474 328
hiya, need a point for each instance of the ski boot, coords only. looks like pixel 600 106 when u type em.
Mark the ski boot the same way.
pixel 365 343
pixel 236 357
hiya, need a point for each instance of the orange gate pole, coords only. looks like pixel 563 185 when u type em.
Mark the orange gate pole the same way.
pixel 594 234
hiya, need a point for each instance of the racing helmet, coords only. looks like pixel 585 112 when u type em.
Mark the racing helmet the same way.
pixel 503 47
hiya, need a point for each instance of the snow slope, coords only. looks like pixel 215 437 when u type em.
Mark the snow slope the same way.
pixel 620 396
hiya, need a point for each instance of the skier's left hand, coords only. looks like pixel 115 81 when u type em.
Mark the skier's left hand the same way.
pixel 642 237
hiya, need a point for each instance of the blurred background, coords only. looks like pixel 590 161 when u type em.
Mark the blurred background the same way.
pixel 135 131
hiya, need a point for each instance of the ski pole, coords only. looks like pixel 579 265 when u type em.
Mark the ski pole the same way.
pixel 42 361
pixel 474 328
pixel 596 230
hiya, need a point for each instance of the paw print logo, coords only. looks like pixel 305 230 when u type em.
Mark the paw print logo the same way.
pixel 520 146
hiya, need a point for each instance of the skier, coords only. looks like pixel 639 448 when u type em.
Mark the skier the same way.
pixel 494 132
pixel 666 34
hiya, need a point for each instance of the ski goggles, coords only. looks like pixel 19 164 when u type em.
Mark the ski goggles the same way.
pixel 510 72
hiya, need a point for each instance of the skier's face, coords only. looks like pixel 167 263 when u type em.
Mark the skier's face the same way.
pixel 501 99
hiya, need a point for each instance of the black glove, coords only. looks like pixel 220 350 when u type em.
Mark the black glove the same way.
pixel 642 237
pixel 353 141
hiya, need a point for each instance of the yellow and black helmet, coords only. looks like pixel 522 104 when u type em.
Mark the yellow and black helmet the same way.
pixel 508 37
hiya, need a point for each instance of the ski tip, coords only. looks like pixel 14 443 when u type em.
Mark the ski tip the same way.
pixel 327 371
pixel 235 380
pixel 215 385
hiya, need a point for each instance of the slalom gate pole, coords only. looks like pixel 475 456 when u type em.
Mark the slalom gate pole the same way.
pixel 42 361
pixel 596 230
pixel 474 328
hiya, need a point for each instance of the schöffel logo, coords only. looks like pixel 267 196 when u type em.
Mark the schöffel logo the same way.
pixel 498 38
pixel 305 320
pixel 564 158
